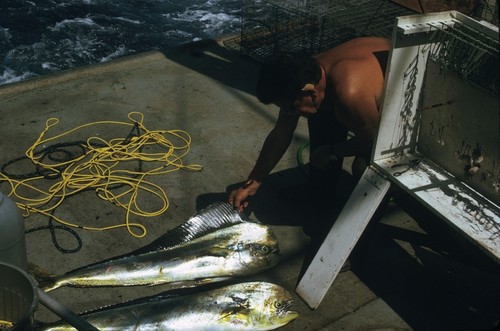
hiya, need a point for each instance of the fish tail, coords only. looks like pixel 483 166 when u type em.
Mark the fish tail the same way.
pixel 45 279
pixel 41 326
pixel 52 326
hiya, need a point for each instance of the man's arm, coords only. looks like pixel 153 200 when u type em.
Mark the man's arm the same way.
pixel 273 149
pixel 275 146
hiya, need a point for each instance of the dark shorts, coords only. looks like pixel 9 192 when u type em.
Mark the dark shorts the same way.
pixel 325 129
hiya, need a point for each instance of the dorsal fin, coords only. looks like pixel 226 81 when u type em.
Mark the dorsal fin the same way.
pixel 153 298
pixel 216 216
pixel 162 296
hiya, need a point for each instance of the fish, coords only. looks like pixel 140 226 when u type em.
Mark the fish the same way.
pixel 254 305
pixel 215 244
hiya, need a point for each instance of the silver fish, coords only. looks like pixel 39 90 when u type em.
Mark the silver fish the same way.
pixel 243 306
pixel 214 245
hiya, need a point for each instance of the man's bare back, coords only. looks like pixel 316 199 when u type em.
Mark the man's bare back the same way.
pixel 355 81
pixel 346 87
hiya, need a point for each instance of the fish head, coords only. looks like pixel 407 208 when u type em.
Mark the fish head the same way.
pixel 267 306
pixel 265 253
pixel 278 304
pixel 258 246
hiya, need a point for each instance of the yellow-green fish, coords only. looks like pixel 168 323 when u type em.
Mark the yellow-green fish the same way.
pixel 244 306
pixel 213 245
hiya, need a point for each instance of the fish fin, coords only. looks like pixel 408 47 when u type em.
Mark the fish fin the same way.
pixel 206 281
pixel 218 251
pixel 201 286
pixel 216 216
pixel 126 303
pixel 165 295
pixel 39 325
pixel 44 278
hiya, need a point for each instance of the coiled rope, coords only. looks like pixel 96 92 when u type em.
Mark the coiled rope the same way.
pixel 97 166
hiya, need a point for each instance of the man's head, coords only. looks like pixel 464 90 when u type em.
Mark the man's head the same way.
pixel 289 81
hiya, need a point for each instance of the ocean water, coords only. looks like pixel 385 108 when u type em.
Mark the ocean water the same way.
pixel 44 36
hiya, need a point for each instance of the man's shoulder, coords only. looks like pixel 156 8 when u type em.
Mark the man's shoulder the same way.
pixel 357 71
pixel 351 64
pixel 355 79
pixel 354 53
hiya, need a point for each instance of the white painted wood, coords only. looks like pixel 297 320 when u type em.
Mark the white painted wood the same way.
pixel 469 202
pixel 398 108
pixel 460 206
pixel 342 238
pixel 396 144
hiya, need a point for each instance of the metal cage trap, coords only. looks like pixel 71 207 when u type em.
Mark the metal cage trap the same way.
pixel 269 27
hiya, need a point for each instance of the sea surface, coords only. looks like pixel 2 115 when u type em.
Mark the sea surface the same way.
pixel 44 36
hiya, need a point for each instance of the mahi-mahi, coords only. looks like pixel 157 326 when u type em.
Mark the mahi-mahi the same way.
pixel 243 306
pixel 215 244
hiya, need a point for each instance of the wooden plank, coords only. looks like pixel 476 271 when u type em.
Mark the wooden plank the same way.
pixel 466 210
pixel 342 238
pixel 426 108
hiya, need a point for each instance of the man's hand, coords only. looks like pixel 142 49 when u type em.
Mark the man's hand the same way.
pixel 239 197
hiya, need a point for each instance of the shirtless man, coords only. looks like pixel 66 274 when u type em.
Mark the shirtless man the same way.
pixel 337 91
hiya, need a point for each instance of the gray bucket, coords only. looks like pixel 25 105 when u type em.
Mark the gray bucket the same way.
pixel 18 299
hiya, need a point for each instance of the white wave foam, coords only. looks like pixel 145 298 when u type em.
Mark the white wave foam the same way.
pixel 213 21
pixel 78 21
pixel 177 34
pixel 216 18
pixel 50 66
pixel 193 15
pixel 5 37
pixel 105 29
pixel 122 50
pixel 119 18
pixel 9 76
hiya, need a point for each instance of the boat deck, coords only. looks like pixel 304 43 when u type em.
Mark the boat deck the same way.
pixel 409 272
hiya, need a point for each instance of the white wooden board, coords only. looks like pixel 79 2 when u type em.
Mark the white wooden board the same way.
pixel 466 210
pixel 342 238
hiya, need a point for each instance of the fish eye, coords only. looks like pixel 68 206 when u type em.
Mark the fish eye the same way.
pixel 264 249
pixel 279 305
pixel 261 248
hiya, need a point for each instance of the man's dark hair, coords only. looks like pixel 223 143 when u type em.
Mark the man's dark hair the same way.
pixel 282 77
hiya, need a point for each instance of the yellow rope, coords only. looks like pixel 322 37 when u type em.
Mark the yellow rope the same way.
pixel 98 170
